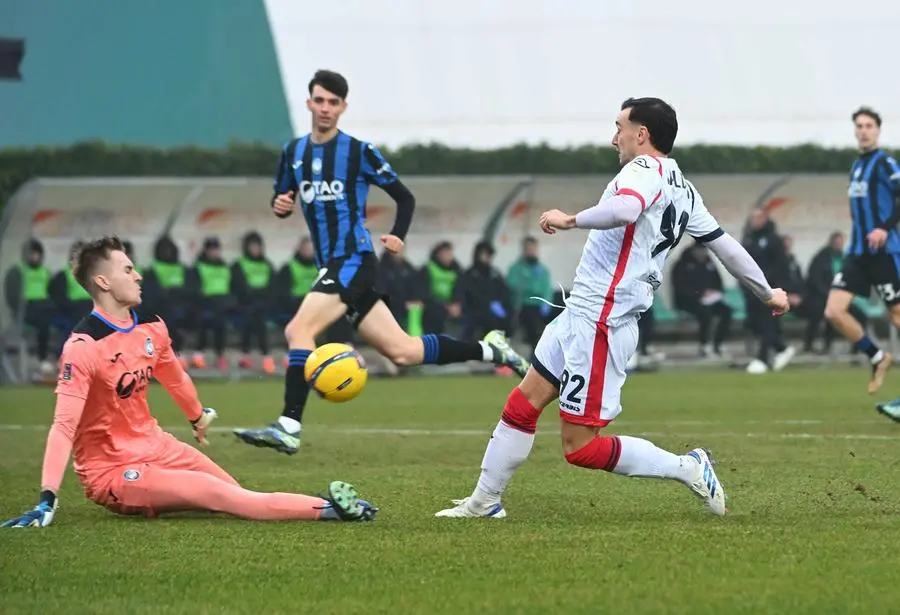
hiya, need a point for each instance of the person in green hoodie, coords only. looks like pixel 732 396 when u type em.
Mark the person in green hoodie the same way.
pixel 27 292
pixel 527 279
pixel 253 285
pixel 209 284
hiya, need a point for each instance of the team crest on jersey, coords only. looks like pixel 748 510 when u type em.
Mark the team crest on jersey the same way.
pixel 131 475
pixel 317 165
pixel 148 347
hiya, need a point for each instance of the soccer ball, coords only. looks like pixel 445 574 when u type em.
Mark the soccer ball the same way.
pixel 336 372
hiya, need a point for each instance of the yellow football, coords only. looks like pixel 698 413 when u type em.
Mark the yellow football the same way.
pixel 336 372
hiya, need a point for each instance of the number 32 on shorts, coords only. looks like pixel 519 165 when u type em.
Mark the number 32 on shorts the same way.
pixel 571 394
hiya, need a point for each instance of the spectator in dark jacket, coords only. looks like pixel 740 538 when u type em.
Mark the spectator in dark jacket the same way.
pixel 252 285
pixel 483 295
pixel 400 282
pixel 824 266
pixel 699 292
pixel 27 292
pixel 766 246
pixel 796 287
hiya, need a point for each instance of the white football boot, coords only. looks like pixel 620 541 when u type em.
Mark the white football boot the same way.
pixel 783 358
pixel 705 484
pixel 464 509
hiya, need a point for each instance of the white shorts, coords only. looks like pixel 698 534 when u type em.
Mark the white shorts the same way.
pixel 587 361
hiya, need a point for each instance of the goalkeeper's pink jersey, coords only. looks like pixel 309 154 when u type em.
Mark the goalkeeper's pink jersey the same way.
pixel 105 369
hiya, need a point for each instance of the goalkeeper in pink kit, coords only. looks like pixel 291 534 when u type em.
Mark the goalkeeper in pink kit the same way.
pixel 124 460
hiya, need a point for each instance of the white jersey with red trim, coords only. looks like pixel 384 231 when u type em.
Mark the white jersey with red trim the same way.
pixel 621 268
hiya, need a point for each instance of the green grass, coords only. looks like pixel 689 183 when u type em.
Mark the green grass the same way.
pixel 810 468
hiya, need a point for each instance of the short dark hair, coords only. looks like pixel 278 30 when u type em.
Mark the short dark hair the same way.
pixel 659 118
pixel 86 256
pixel 331 81
pixel 868 112
pixel 529 239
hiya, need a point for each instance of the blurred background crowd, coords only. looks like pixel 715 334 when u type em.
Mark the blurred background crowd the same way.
pixel 227 313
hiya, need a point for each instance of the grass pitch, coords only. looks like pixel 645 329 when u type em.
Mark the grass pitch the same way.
pixel 810 469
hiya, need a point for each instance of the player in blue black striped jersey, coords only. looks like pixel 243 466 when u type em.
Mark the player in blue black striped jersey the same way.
pixel 328 174
pixel 873 256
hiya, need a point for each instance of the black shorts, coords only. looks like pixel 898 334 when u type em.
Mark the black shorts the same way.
pixel 353 279
pixel 860 273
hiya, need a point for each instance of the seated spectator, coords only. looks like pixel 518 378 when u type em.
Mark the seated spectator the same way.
pixel 209 284
pixel 129 252
pixel 253 286
pixel 483 296
pixel 295 279
pixel 165 290
pixel 27 291
pixel 398 280
pixel 529 282
pixel 796 287
pixel 438 279
pixel 698 291
pixel 824 266
pixel 72 302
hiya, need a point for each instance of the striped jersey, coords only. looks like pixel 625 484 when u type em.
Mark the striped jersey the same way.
pixel 874 193
pixel 331 181
pixel 620 268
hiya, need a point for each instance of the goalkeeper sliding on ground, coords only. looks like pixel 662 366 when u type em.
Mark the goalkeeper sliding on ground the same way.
pixel 124 460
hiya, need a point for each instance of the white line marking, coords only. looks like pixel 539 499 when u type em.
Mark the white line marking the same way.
pixel 486 432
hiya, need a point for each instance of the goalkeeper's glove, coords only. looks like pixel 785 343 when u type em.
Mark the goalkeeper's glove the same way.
pixel 39 516
pixel 207 415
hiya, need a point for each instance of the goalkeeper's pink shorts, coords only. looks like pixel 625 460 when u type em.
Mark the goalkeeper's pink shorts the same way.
pixel 121 489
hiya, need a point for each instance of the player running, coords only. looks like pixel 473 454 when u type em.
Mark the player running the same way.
pixel 873 257
pixel 582 356
pixel 123 459
pixel 331 173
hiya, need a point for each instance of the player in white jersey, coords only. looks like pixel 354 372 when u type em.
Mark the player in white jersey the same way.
pixel 582 354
